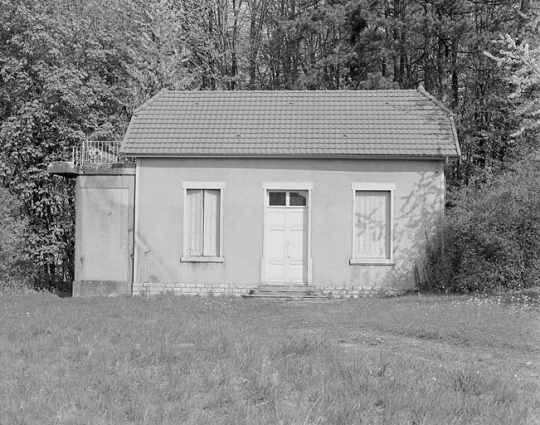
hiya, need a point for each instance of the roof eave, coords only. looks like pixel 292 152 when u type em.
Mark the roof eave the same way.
pixel 450 113
pixel 454 133
pixel 148 102
pixel 295 156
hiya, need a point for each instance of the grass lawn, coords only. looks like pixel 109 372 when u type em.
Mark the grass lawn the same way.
pixel 168 360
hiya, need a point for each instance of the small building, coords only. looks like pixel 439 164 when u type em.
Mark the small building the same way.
pixel 238 191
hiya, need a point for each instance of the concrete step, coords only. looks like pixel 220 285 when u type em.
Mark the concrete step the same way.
pixel 286 297
pixel 286 292
pixel 285 288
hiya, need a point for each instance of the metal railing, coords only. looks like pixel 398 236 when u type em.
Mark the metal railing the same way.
pixel 97 152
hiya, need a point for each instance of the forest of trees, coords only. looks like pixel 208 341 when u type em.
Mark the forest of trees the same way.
pixel 73 70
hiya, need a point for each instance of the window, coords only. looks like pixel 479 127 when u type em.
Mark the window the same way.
pixel 372 224
pixel 289 199
pixel 298 199
pixel 277 199
pixel 202 223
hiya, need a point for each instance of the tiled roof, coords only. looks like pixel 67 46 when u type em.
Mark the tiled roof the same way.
pixel 324 124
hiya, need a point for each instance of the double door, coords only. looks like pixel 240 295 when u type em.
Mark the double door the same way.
pixel 286 236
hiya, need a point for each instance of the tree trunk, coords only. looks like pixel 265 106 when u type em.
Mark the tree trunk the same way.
pixel 253 43
pixel 441 77
pixel 234 58
pixel 455 75
pixel 397 44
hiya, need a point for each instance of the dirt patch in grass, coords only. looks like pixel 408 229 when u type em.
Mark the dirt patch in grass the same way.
pixel 500 335
pixel 438 354
pixel 492 334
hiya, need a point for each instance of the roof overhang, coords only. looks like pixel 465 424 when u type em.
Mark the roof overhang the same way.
pixel 439 157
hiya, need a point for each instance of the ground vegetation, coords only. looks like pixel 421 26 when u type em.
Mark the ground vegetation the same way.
pixel 219 360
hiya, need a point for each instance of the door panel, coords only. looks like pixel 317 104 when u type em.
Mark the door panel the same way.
pixel 105 230
pixel 297 244
pixel 296 234
pixel 276 245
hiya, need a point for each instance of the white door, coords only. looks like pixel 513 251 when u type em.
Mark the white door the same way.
pixel 286 236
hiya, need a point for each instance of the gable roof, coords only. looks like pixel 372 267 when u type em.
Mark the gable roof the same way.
pixel 286 124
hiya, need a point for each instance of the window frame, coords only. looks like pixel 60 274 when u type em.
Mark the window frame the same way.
pixel 373 187
pixel 197 185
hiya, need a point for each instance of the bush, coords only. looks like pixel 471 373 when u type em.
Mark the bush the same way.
pixel 491 239
pixel 16 268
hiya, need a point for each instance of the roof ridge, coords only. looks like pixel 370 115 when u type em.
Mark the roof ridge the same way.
pixel 288 91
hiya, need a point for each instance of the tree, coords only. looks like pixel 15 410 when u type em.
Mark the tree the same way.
pixel 491 239
pixel 59 75
pixel 521 63
pixel 16 268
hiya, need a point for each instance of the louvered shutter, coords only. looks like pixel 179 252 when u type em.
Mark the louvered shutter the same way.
pixel 211 223
pixel 372 224
pixel 195 222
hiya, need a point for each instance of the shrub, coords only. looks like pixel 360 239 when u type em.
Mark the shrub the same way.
pixel 16 268
pixel 491 239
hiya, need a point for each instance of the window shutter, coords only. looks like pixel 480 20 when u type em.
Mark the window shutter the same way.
pixel 211 223
pixel 372 224
pixel 195 222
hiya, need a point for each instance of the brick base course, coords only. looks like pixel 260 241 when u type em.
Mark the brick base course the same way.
pixel 224 289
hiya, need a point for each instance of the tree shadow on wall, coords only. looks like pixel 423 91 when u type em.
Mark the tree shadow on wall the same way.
pixel 421 212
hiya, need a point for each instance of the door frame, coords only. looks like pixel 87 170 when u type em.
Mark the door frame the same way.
pixel 286 186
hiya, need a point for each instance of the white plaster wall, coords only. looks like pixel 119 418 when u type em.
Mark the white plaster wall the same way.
pixel 418 203
pixel 103 235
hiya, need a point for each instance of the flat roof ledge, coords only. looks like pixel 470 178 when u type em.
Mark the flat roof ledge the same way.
pixel 70 170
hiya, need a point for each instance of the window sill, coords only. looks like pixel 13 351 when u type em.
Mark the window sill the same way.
pixel 201 260
pixel 371 262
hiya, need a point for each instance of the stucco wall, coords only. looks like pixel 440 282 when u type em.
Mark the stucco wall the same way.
pixel 103 235
pixel 418 202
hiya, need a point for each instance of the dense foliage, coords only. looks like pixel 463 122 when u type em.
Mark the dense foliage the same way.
pixel 72 70
pixel 16 268
pixel 491 239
